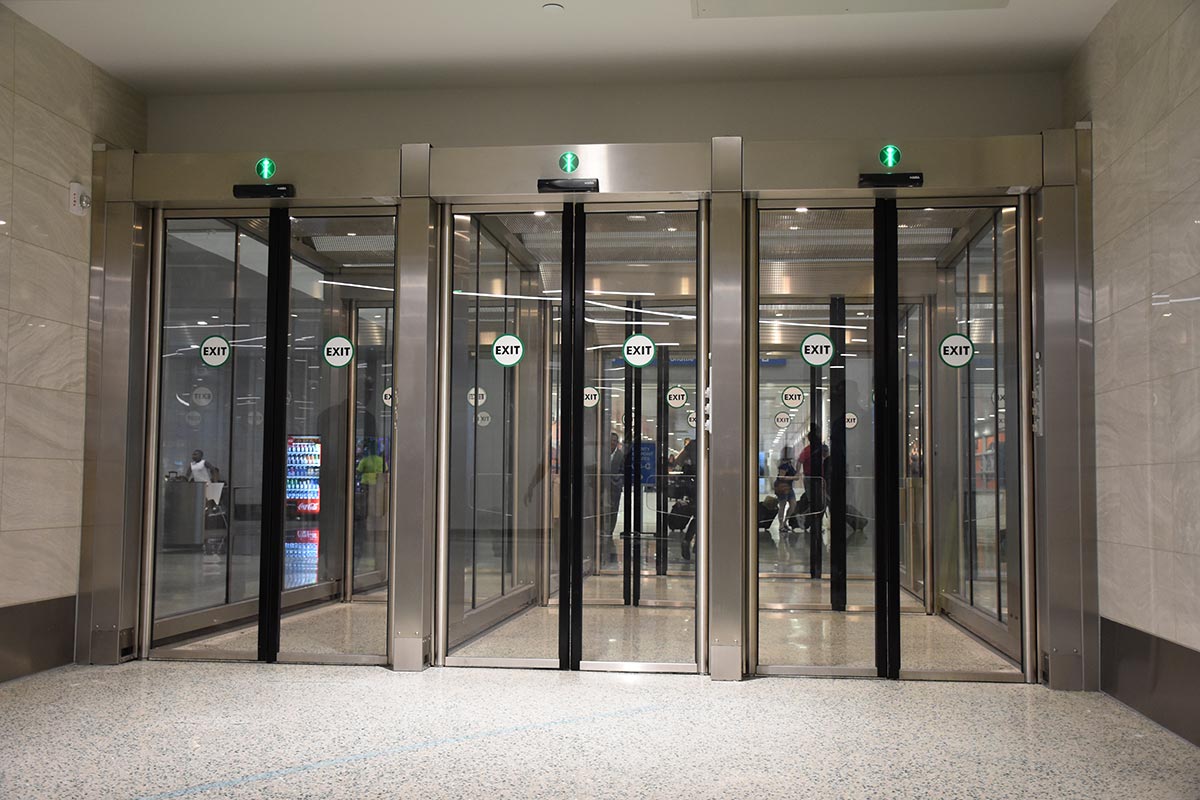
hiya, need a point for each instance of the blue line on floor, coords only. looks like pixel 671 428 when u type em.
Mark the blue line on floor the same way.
pixel 408 748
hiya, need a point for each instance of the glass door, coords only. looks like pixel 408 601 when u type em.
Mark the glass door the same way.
pixel 640 517
pixel 338 436
pixel 888 483
pixel 818 526
pixel 274 420
pixel 209 497
pixel 970 362
pixel 572 386
pixel 505 479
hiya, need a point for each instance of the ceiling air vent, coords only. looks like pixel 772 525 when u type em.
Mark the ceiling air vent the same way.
pixel 729 9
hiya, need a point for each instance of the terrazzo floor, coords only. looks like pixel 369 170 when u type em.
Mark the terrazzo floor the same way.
pixel 157 730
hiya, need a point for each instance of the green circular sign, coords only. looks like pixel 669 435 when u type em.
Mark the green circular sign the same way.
pixel 816 349
pixel 265 168
pixel 568 162
pixel 956 350
pixel 639 350
pixel 508 350
pixel 338 351
pixel 792 396
pixel 215 351
pixel 890 156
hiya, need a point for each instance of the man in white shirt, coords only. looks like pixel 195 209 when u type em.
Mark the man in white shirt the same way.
pixel 200 471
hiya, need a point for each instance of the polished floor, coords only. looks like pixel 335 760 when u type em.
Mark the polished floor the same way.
pixel 151 731
pixel 798 636
pixel 786 638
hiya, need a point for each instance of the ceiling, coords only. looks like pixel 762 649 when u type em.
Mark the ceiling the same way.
pixel 185 46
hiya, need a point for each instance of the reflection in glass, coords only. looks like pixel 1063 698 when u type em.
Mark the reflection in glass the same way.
pixel 338 436
pixel 969 286
pixel 504 483
pixel 816 460
pixel 210 435
pixel 640 451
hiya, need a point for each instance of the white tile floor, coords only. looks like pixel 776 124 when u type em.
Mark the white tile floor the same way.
pixel 168 730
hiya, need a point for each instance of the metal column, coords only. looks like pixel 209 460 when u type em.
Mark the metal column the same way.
pixel 730 447
pixel 1068 631
pixel 115 426
pixel 415 417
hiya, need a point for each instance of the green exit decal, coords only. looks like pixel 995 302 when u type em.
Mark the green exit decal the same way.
pixel 889 156
pixel 568 162
pixel 265 168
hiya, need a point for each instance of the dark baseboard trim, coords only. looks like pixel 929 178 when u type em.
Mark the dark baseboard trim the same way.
pixel 36 636
pixel 1151 675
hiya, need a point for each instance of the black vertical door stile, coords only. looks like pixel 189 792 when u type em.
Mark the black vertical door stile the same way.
pixel 662 462
pixel 887 440
pixel 570 449
pixel 627 478
pixel 835 476
pixel 635 495
pixel 274 483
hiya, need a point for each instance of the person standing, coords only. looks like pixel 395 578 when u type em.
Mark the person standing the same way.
pixel 201 471
pixel 813 460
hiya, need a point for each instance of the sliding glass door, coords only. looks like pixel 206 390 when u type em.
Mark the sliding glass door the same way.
pixel 573 452
pixel 273 469
pixel 888 509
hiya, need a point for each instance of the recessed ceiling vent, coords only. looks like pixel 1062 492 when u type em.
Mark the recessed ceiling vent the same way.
pixel 730 9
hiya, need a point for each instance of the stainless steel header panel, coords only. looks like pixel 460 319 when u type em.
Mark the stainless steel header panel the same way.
pixel 626 172
pixel 952 167
pixel 191 180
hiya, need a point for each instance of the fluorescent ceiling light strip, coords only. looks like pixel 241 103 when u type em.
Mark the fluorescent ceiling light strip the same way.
pixel 504 296
pixel 602 304
pixel 603 292
pixel 623 322
pixel 358 285
pixel 813 325
pixel 618 346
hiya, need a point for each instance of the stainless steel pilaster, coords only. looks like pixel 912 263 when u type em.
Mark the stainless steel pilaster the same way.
pixel 114 456
pixel 415 418
pixel 1068 630
pixel 730 447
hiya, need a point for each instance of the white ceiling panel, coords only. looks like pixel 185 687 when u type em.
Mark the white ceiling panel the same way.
pixel 197 46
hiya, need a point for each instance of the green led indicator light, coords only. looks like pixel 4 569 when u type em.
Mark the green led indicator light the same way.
pixel 568 162
pixel 889 156
pixel 265 168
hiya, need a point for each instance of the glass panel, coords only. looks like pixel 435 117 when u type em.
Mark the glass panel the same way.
pixel 912 445
pixel 209 501
pixel 639 456
pixel 337 436
pixel 372 448
pixel 816 439
pixel 504 482
pixel 952 264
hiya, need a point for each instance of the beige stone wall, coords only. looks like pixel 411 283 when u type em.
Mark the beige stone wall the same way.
pixel 1138 80
pixel 54 104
